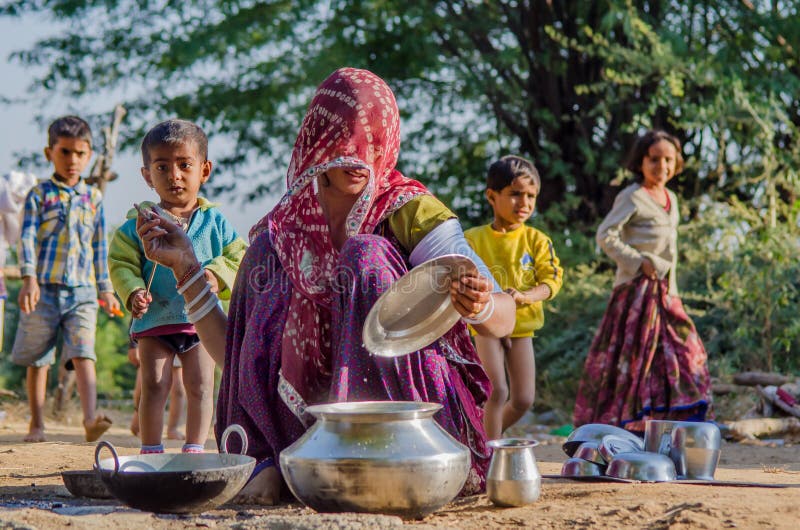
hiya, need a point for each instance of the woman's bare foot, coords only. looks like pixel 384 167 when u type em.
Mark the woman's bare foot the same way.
pixel 175 434
pixel 35 435
pixel 264 489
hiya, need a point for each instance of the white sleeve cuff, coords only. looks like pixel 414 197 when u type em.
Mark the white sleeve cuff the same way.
pixel 448 238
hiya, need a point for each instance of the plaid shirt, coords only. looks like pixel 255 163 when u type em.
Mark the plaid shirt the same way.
pixel 58 224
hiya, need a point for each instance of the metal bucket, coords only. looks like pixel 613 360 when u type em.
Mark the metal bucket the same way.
pixel 176 482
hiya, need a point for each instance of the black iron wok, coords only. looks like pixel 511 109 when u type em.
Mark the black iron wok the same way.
pixel 85 483
pixel 176 482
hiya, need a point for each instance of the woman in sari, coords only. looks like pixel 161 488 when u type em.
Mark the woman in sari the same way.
pixel 348 226
pixel 646 360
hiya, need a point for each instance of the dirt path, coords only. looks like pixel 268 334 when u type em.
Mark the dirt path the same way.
pixel 32 494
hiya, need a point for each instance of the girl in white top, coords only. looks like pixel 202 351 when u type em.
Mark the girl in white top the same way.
pixel 646 360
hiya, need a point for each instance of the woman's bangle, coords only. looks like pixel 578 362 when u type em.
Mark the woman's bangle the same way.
pixel 484 314
pixel 182 287
pixel 197 298
pixel 205 309
pixel 193 268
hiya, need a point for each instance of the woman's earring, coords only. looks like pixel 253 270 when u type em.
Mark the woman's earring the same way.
pixel 325 181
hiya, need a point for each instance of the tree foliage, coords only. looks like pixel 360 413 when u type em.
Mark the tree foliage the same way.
pixel 565 82
pixel 568 83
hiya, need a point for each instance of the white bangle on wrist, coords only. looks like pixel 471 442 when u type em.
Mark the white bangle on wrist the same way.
pixel 205 309
pixel 484 314
pixel 188 306
pixel 191 280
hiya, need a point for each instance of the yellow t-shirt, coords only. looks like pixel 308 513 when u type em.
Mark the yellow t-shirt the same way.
pixel 521 259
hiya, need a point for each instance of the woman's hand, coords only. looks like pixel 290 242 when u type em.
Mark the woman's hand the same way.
pixel 470 293
pixel 165 243
pixel 473 298
pixel 648 269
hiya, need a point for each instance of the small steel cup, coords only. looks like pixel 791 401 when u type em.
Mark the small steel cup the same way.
pixel 696 450
pixel 658 436
pixel 514 478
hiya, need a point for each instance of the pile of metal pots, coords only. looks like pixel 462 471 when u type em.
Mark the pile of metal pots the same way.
pixel 671 450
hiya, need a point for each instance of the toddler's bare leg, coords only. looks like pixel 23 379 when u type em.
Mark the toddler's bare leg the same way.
pixel 36 384
pixel 137 399
pixel 492 355
pixel 155 363
pixel 198 378
pixel 522 380
pixel 177 400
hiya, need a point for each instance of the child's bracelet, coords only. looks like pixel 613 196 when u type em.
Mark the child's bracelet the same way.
pixel 182 287
pixel 205 309
pixel 484 315
pixel 197 298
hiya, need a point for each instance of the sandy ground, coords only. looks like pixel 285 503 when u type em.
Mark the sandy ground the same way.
pixel 32 494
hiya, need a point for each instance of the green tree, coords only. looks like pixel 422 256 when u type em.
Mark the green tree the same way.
pixel 566 82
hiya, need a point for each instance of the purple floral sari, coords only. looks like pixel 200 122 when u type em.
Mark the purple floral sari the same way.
pixel 254 394
pixel 646 361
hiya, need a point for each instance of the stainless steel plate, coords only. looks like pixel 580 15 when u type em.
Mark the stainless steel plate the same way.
pixel 416 310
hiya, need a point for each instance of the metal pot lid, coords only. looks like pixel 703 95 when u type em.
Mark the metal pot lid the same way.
pixel 416 310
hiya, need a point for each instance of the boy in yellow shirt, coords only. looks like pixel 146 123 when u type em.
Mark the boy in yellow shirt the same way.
pixel 523 262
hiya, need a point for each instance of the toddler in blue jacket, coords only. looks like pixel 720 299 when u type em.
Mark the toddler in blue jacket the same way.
pixel 175 157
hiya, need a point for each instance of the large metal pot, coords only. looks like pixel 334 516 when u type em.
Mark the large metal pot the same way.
pixel 176 482
pixel 386 457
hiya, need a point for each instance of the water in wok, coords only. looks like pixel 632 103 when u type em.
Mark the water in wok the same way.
pixel 175 482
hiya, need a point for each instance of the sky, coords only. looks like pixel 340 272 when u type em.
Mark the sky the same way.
pixel 19 132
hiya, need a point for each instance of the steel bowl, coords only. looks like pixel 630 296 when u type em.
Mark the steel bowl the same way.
pixel 578 467
pixel 387 457
pixel 612 444
pixel 85 483
pixel 594 432
pixel 643 466
pixel 589 451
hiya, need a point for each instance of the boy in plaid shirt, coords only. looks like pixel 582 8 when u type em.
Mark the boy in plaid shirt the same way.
pixel 63 253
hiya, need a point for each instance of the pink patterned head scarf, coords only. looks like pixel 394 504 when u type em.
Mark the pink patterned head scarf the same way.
pixel 353 123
